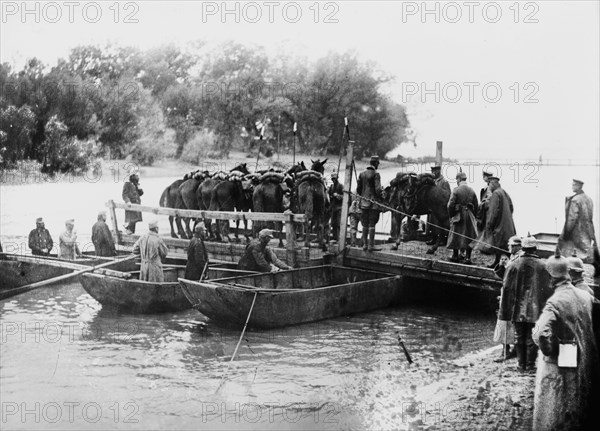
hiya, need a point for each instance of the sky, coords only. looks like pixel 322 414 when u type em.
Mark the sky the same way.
pixel 492 80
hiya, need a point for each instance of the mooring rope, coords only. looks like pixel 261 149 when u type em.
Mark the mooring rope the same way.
pixel 432 224
pixel 238 344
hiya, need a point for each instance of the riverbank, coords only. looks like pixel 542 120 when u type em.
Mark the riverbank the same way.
pixel 479 395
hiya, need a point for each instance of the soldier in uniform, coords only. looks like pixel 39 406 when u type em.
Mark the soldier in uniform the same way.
pixel 67 242
pixel 131 195
pixel 259 257
pixel 40 241
pixel 369 187
pixel 576 273
pixel 336 195
pixel 578 232
pixel 197 254
pixel 102 238
pixel 463 227
pixel 442 182
pixel 153 251
pixel 355 217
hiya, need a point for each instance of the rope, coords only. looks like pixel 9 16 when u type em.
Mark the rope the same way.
pixel 432 224
pixel 238 344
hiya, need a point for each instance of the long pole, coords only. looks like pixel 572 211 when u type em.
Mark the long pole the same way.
pixel 294 149
pixel 278 135
pixel 346 130
pixel 345 202
pixel 262 129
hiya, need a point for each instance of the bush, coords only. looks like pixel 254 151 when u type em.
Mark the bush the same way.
pixel 199 147
pixel 151 148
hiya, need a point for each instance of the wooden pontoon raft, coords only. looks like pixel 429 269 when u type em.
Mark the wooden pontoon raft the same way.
pixel 124 292
pixel 293 297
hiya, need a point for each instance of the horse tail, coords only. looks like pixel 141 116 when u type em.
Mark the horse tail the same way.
pixel 164 198
pixel 309 202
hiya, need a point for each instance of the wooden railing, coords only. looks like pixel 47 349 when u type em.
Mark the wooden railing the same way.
pixel 287 218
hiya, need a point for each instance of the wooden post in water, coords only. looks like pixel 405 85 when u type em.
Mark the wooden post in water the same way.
pixel 345 202
pixel 290 239
pixel 438 153
pixel 113 216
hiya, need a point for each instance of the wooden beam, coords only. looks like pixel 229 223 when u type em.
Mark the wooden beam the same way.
pixel 438 153
pixel 113 216
pixel 290 238
pixel 215 215
pixel 345 203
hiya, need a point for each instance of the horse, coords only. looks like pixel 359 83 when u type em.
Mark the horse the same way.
pixel 187 191
pixel 418 194
pixel 171 198
pixel 233 193
pixel 313 201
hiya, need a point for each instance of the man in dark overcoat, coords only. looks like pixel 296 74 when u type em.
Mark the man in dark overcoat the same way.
pixel 463 226
pixel 131 195
pixel 102 238
pixel 525 289
pixel 40 241
pixel 369 187
pixel 197 256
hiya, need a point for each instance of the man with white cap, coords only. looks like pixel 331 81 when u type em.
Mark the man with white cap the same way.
pixel 525 289
pixel 153 251
pixel 566 383
pixel 67 242
pixel 578 232
pixel 40 241
pixel 259 257
pixel 102 238
pixel 576 273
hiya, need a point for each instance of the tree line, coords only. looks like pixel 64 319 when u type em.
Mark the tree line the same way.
pixel 190 102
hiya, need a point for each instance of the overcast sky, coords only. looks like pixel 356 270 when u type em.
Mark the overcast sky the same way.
pixel 549 57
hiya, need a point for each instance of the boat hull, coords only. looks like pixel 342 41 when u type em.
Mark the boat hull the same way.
pixel 341 291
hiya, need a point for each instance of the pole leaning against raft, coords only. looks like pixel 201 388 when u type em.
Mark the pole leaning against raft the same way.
pixel 345 202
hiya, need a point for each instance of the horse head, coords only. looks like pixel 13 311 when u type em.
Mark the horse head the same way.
pixel 318 165
pixel 241 168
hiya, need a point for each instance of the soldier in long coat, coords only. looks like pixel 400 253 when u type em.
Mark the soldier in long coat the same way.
pixel 499 224
pixel 197 257
pixel 565 396
pixel 153 250
pixel 525 289
pixel 369 186
pixel 40 241
pixel 67 242
pixel 336 195
pixel 131 195
pixel 578 231
pixel 442 182
pixel 101 237
pixel 463 226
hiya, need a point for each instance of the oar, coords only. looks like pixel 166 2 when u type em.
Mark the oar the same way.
pixel 28 287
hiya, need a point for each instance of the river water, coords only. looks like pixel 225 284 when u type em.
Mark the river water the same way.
pixel 67 364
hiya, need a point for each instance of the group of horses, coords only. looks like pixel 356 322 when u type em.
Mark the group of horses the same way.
pixel 242 191
pixel 265 191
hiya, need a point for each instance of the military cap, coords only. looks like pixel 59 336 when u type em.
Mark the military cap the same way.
pixel 39 220
pixel 375 158
pixel 101 213
pixel 487 174
pixel 557 265
pixel 199 227
pixel 70 221
pixel 153 224
pixel 575 264
pixel 529 242
pixel 461 176
pixel 265 233
pixel 334 175
pixel 493 177
pixel 514 240
pixel 577 181
pixel 436 168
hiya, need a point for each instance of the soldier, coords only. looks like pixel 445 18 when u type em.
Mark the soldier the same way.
pixel 40 241
pixel 576 273
pixel 442 182
pixel 153 251
pixel 197 256
pixel 259 257
pixel 566 383
pixel 67 242
pixel 355 216
pixel 101 237
pixel 463 227
pixel 578 232
pixel 369 187
pixel 525 289
pixel 131 195
pixel 499 224
pixel 484 197
pixel 336 195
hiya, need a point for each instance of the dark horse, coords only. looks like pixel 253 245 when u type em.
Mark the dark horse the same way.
pixel 417 194
pixel 171 198
pixel 268 196
pixel 313 201
pixel 234 193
